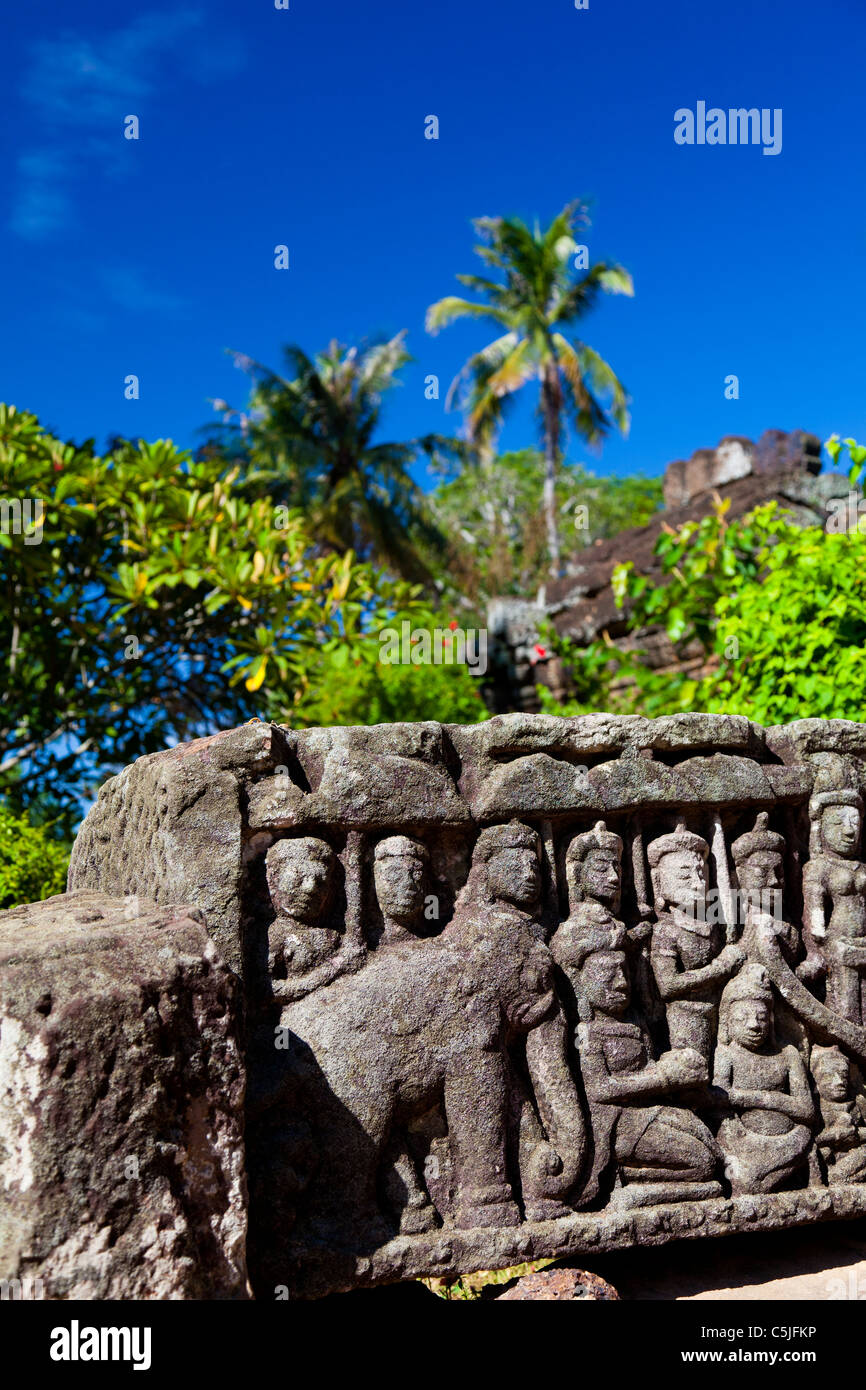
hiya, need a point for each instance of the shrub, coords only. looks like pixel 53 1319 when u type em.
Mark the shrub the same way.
pixel 32 864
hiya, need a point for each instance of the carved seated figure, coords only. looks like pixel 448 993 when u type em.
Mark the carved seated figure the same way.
pixel 689 961
pixel 659 1151
pixel 767 1132
pixel 842 1141
pixel 303 953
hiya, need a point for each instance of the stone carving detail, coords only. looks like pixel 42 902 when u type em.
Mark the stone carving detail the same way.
pixel 834 885
pixel 766 1136
pixel 537 986
pixel 689 962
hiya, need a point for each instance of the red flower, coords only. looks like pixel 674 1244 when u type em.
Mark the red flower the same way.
pixel 540 651
pixel 452 625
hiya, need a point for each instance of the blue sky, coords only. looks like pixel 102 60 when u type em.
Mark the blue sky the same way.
pixel 306 127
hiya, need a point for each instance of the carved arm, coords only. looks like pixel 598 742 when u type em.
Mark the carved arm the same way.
pixel 683 984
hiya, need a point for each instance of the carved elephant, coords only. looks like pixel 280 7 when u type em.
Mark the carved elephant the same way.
pixel 427 1022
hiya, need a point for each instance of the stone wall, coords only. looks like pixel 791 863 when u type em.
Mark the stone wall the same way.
pixel 782 468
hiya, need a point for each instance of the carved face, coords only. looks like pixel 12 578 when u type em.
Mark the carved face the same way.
pixel 681 879
pixel 832 1077
pixel 515 876
pixel 761 871
pixel 840 829
pixel 749 1022
pixel 300 886
pixel 604 982
pixel 400 880
pixel 600 876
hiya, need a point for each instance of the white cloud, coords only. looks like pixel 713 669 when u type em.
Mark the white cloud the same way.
pixel 80 87
pixel 129 289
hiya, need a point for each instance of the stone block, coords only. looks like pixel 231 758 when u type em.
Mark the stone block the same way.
pixel 121 1104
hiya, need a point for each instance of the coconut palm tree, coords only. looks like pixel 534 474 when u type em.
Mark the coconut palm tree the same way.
pixel 314 429
pixel 536 302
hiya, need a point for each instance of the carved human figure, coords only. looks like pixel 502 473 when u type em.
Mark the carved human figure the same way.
pixel 399 874
pixel 495 926
pixel 689 961
pixel 593 871
pixel 400 867
pixel 432 1022
pixel 768 1128
pixel 842 1140
pixel 759 859
pixel 303 953
pixel 649 1142
pixel 834 901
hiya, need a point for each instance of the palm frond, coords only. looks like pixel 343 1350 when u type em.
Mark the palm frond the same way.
pixel 451 308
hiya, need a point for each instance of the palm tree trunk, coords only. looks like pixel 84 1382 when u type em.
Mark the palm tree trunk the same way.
pixel 550 407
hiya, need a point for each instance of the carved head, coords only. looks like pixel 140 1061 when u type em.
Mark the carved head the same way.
pixel 832 1073
pixel 511 856
pixel 594 959
pixel 678 867
pixel 759 858
pixel 746 1009
pixel 603 984
pixel 836 810
pixel 593 868
pixel 300 876
pixel 399 873
pixel 841 827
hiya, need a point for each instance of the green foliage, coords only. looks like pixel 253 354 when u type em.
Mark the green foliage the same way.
pixel 494 518
pixel 856 452
pixel 778 610
pixel 167 597
pixel 32 864
pixel 351 685
pixel 794 645
pixel 590 672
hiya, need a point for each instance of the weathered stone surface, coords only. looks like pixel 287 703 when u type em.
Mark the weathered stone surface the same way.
pixel 535 987
pixel 121 1104
pixel 737 457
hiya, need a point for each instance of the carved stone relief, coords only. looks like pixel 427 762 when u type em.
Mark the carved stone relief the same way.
pixel 538 986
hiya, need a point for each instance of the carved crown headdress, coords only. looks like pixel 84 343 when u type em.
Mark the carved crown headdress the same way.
pixel 496 838
pixel 835 785
pixel 678 841
pixel 591 840
pixel 761 838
